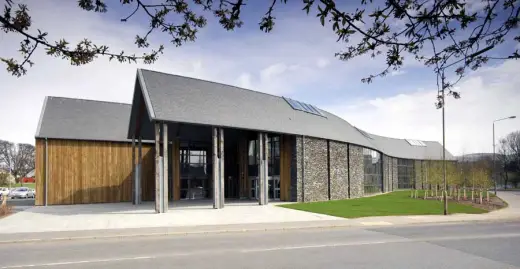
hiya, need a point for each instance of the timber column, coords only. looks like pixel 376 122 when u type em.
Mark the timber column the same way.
pixel 158 167
pixel 263 168
pixel 218 167
pixel 161 168
pixel 164 190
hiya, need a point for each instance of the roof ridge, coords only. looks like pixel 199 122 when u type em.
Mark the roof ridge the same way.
pixel 89 100
pixel 213 82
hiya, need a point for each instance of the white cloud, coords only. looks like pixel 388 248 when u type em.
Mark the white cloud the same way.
pixel 272 71
pixel 284 62
pixel 397 72
pixel 322 63
pixel 489 94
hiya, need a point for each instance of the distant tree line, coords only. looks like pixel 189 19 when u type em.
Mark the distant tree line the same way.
pixel 16 160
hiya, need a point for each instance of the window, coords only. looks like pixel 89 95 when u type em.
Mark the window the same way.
pixel 297 105
pixel 417 143
pixel 405 174
pixel 373 180
pixel 364 133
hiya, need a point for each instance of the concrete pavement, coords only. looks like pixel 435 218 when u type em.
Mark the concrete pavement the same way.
pixel 230 221
pixel 463 245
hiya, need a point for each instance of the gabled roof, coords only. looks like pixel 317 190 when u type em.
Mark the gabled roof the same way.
pixel 164 97
pixel 67 118
pixel 180 99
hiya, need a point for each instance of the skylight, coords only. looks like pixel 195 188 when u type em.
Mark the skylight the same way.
pixel 297 105
pixel 417 143
pixel 364 133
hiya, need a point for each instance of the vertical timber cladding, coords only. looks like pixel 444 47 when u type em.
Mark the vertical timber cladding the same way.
pixel 40 172
pixel 285 167
pixel 338 170
pixel 244 183
pixel 176 171
pixel 88 171
pixel 356 171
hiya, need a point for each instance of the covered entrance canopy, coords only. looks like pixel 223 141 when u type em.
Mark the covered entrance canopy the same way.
pixel 203 155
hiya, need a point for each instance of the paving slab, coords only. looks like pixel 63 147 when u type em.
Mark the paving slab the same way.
pixel 124 220
pixel 126 215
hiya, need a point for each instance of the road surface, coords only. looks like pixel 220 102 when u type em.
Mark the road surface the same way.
pixel 469 245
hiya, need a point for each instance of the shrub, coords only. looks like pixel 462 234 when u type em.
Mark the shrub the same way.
pixel 4 208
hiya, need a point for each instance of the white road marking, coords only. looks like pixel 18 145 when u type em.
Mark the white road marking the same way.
pixel 76 262
pixel 376 223
pixel 390 241
pixel 281 248
pixel 319 246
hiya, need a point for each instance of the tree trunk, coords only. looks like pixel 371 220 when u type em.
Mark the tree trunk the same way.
pixel 487 197
pixel 458 194
pixel 425 194
pixel 465 197
pixel 436 192
pixel 480 196
pixel 472 195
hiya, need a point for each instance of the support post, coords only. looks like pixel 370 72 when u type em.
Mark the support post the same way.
pixel 165 169
pixel 266 170
pixel 221 167
pixel 157 168
pixel 216 172
pixel 134 173
pixel 139 173
pixel 46 199
pixel 261 170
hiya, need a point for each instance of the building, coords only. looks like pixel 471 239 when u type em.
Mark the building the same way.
pixel 185 138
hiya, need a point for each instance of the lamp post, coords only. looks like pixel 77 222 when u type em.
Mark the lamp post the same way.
pixel 494 158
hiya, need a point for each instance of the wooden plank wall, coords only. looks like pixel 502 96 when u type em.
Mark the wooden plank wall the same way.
pixel 285 168
pixel 90 172
pixel 243 162
pixel 176 160
pixel 40 172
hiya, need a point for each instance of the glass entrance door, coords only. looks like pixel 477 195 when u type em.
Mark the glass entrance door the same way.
pixel 194 173
pixel 274 167
pixel 273 177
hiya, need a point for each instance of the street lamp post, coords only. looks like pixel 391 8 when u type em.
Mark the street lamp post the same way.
pixel 494 158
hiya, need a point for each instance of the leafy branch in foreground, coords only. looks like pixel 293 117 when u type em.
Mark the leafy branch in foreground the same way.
pixel 449 36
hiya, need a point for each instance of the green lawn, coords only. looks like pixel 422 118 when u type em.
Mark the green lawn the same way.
pixel 28 185
pixel 391 204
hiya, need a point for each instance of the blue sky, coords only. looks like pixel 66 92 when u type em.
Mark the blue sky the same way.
pixel 295 60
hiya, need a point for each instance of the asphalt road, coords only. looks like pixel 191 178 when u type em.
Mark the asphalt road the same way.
pixel 20 204
pixel 484 245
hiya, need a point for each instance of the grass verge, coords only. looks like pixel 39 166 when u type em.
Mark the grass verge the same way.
pixel 18 185
pixel 396 203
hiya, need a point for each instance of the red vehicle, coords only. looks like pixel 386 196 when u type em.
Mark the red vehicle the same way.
pixel 28 180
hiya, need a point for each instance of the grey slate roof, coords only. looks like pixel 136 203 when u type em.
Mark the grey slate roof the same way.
pixel 187 100
pixel 67 118
pixel 402 149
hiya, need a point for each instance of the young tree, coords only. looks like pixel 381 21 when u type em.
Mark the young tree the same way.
pixel 449 36
pixel 19 159
pixel 435 176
